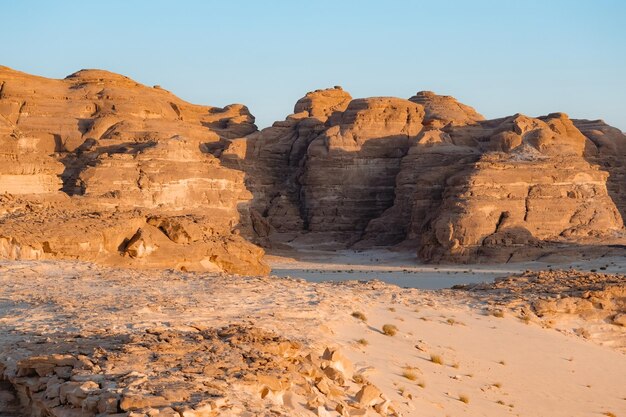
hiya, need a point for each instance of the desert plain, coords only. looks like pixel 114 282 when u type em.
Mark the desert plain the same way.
pixel 363 257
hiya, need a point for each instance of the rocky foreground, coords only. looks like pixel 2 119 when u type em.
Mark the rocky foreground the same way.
pixel 98 167
pixel 78 340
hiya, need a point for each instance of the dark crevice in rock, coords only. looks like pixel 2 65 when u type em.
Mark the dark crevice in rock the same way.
pixel 10 405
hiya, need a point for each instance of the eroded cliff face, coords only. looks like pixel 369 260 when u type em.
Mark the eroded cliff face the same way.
pixel 349 173
pixel 609 154
pixel 430 173
pixel 92 160
pixel 530 185
pixel 432 157
pixel 273 162
pixel 99 167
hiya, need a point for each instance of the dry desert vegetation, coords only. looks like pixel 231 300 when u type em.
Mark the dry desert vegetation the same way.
pixel 152 255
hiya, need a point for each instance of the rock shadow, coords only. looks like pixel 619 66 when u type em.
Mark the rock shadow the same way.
pixel 287 183
pixel 86 155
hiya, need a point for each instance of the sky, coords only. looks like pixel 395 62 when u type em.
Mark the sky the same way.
pixel 501 57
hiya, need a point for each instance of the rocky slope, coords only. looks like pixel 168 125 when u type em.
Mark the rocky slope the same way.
pixel 103 168
pixel 100 167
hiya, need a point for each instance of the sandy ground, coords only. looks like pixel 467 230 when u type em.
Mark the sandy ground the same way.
pixel 501 365
pixel 403 269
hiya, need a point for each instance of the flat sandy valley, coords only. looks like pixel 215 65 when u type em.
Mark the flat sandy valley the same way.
pixel 85 339
pixel 400 267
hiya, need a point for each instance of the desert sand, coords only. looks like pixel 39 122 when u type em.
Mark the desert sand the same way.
pixel 80 339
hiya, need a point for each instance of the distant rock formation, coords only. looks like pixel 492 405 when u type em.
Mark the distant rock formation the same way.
pixel 432 174
pixel 99 167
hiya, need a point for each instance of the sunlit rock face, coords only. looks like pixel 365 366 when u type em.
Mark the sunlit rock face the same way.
pixel 273 160
pixel 531 183
pixel 100 145
pixel 97 166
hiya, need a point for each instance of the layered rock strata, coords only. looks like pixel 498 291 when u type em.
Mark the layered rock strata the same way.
pixel 93 159
pixel 428 173
pixel 432 174
pixel 609 153
pixel 531 184
pixel 273 161
pixel 350 170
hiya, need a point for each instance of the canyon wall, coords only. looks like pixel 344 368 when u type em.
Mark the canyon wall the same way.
pixel 432 175
pixel 348 177
pixel 99 167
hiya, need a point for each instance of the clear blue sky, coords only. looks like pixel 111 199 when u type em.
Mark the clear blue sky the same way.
pixel 502 57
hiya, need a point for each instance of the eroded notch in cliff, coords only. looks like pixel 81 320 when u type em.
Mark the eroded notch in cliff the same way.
pixel 176 110
pixel 503 216
pixel 19 112
pixel 527 204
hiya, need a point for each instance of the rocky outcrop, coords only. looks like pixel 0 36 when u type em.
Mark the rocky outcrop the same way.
pixel 434 156
pixel 24 170
pixel 139 238
pixel 172 174
pixel 596 301
pixel 326 170
pixel 531 184
pixel 95 156
pixel 428 173
pixel 609 153
pixel 228 371
pixel 432 174
pixel 472 189
pixel 443 110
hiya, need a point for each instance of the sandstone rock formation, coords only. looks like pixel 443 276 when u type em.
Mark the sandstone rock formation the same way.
pixel 609 153
pixel 443 110
pixel 430 160
pixel 273 161
pixel 431 174
pixel 349 174
pixel 530 184
pixel 127 164
pixel 93 159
